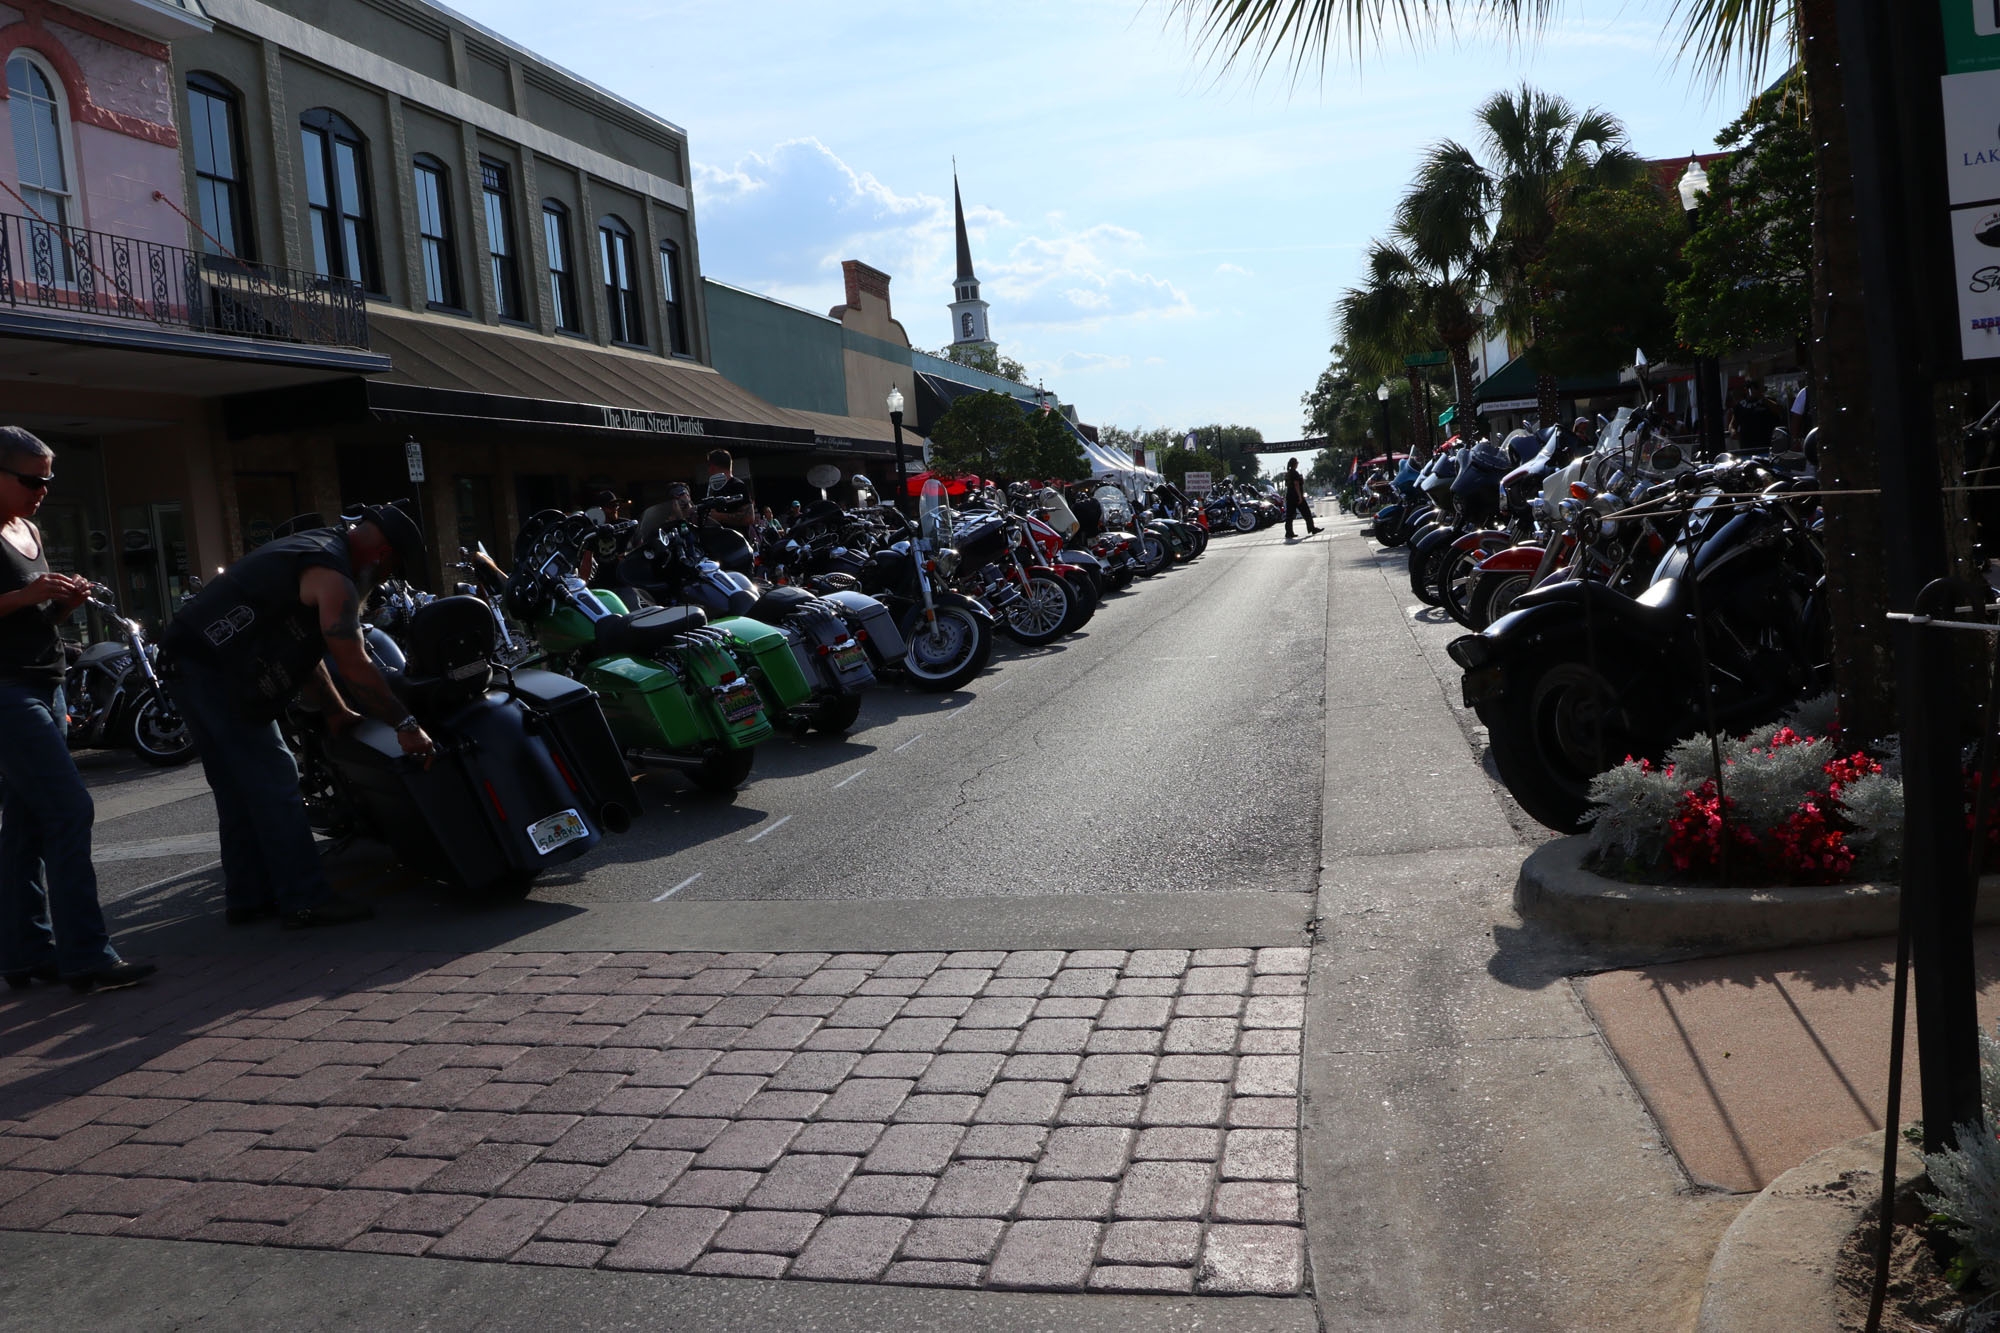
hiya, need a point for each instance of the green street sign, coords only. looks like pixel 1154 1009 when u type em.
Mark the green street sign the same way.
pixel 1426 359
pixel 1971 35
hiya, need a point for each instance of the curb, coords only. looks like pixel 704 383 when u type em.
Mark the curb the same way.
pixel 1774 1271
pixel 1556 890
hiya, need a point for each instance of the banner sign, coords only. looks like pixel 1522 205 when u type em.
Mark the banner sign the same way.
pixel 1971 92
pixel 1198 483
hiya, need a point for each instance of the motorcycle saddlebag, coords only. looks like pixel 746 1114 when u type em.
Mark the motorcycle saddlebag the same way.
pixel 764 650
pixel 645 703
pixel 864 612
pixel 483 811
pixel 564 713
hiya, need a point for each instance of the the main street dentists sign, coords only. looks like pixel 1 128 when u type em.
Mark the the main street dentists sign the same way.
pixel 657 423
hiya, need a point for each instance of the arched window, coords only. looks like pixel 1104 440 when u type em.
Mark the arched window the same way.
pixel 40 117
pixel 621 280
pixel 965 325
pixel 440 256
pixel 670 296
pixel 499 205
pixel 340 218
pixel 221 184
pixel 562 267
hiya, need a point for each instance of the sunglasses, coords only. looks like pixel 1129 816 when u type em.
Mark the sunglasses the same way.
pixel 34 481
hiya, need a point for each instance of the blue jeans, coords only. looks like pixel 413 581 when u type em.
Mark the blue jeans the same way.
pixel 268 855
pixel 48 889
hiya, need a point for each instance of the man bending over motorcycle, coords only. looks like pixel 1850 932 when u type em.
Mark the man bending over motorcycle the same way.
pixel 236 655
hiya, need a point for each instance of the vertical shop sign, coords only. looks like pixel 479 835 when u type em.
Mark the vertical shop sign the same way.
pixel 1971 91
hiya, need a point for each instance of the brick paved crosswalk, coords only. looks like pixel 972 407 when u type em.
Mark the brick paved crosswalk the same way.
pixel 1095 1120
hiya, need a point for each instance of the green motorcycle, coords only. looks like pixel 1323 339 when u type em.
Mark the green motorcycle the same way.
pixel 669 683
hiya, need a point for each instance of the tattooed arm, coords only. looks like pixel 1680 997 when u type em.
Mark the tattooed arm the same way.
pixel 339 605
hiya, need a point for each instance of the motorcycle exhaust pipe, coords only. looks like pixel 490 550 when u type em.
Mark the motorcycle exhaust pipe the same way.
pixel 614 818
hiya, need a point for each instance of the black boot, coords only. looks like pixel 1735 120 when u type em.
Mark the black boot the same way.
pixel 24 979
pixel 111 976
pixel 333 910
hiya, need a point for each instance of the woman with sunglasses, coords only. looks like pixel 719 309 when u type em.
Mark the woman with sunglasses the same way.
pixel 51 927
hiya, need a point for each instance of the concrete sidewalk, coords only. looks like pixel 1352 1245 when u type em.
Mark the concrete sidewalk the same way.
pixel 1754 1062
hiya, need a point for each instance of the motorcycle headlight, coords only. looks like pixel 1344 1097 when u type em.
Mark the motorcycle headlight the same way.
pixel 947 562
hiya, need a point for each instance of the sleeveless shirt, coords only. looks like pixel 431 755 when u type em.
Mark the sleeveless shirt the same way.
pixel 249 624
pixel 30 649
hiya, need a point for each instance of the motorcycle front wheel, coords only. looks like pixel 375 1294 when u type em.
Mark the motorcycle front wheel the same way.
pixel 1245 521
pixel 158 733
pixel 1043 615
pixel 949 651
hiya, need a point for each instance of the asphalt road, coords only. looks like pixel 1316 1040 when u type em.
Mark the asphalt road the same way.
pixel 1173 745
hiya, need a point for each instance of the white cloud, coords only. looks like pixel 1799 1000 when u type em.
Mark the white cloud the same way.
pixel 1238 269
pixel 1086 363
pixel 782 221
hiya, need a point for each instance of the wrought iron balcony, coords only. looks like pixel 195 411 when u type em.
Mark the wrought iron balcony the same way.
pixel 98 275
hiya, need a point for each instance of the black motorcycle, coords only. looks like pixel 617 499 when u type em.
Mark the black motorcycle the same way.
pixel 526 774
pixel 1730 632
pixel 114 695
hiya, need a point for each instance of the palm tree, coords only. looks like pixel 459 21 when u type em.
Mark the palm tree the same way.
pixel 1719 40
pixel 1444 225
pixel 1383 321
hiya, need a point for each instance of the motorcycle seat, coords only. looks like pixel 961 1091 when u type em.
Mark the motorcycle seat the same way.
pixel 642 631
pixel 777 603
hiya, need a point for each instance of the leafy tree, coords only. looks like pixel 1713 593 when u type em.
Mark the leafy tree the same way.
pixel 985 358
pixel 1051 453
pixel 978 433
pixel 1718 39
pixel 1749 278
pixel 1609 262
pixel 1235 446
pixel 1383 321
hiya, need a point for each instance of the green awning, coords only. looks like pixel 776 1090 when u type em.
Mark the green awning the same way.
pixel 1517 378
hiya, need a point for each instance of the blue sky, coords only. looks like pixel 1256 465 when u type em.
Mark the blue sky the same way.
pixel 1160 243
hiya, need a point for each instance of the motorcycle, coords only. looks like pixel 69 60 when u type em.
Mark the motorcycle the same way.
pixel 1580 675
pixel 832 668
pixel 114 695
pixel 526 774
pixel 669 685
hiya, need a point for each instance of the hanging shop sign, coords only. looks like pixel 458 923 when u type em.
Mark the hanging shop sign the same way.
pixel 1971 93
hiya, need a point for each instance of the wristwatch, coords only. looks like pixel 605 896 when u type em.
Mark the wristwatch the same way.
pixel 409 724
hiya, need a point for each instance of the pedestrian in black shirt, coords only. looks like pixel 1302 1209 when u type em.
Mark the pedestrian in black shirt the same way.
pixel 236 655
pixel 1296 501
pixel 1754 419
pixel 51 925
pixel 726 487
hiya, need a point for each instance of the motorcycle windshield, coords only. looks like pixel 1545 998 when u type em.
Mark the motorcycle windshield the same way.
pixel 933 517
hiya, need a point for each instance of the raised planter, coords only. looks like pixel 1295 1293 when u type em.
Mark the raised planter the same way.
pixel 1777 1267
pixel 1554 888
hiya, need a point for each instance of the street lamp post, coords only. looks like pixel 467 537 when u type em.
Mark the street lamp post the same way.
pixel 1707 369
pixel 896 423
pixel 1382 397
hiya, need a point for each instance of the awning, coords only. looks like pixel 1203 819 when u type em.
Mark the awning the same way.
pixel 1517 379
pixel 447 368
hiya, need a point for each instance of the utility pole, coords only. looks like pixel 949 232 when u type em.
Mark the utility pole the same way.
pixel 1892 58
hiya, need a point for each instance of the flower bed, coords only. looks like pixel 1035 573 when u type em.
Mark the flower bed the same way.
pixel 1786 807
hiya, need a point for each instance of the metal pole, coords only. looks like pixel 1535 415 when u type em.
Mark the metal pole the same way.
pixel 1708 384
pixel 1891 61
pixel 902 486
pixel 1388 447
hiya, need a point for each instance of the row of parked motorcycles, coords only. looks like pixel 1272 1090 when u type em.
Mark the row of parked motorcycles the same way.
pixel 603 650
pixel 1621 597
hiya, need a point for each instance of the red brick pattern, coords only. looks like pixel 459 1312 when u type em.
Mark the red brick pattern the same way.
pixel 1092 1120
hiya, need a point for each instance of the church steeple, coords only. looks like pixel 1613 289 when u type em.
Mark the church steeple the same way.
pixel 968 312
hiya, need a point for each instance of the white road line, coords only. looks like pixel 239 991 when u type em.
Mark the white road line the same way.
pixel 849 778
pixel 165 880
pixel 678 887
pixel 781 821
pixel 908 743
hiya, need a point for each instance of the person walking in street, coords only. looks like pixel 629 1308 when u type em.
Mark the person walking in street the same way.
pixel 51 924
pixel 234 657
pixel 1296 501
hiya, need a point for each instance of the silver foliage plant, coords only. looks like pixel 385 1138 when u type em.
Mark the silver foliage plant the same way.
pixel 1764 783
pixel 1967 1181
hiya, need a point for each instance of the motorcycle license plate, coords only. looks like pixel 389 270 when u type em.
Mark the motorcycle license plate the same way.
pixel 850 658
pixel 740 705
pixel 559 828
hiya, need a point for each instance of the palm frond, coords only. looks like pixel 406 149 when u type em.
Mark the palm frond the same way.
pixel 1302 33
pixel 1724 40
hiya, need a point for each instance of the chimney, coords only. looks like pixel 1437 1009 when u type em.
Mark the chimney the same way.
pixel 861 278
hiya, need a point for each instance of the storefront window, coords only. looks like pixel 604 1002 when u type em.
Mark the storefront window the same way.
pixel 263 501
pixel 473 496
